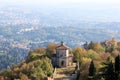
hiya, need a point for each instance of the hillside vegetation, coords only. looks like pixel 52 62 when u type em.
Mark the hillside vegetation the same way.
pixel 37 65
pixel 97 61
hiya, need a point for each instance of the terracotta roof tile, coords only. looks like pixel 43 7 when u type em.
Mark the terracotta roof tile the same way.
pixel 62 47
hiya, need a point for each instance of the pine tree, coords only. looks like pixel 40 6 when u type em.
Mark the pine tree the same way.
pixel 117 64
pixel 91 45
pixel 110 72
pixel 92 71
pixel 117 67
pixel 107 71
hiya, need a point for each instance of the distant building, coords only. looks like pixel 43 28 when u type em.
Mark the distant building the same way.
pixel 112 42
pixel 62 58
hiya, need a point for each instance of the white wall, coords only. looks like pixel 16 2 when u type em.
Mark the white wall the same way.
pixel 63 54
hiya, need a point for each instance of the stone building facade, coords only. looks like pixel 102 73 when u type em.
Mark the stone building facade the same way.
pixel 62 58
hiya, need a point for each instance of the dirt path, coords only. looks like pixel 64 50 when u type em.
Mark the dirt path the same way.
pixel 65 73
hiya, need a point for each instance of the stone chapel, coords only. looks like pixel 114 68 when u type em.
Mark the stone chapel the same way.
pixel 62 58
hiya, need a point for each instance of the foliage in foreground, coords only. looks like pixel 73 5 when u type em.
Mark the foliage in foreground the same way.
pixel 37 65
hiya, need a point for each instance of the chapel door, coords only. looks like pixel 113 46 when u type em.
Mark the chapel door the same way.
pixel 62 63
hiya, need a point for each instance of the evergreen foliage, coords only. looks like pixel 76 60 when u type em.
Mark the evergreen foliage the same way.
pixel 117 64
pixel 92 71
pixel 117 68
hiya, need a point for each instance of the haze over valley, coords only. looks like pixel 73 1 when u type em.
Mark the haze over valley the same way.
pixel 27 26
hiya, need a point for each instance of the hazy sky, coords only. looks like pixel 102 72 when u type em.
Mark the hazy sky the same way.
pixel 59 1
pixel 87 4
pixel 107 9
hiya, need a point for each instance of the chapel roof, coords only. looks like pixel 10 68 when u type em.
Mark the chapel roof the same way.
pixel 62 46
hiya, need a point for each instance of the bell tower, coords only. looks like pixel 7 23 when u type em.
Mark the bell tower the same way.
pixel 62 43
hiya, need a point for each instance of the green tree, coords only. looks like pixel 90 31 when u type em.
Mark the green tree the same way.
pixel 51 49
pixel 91 45
pixel 110 48
pixel 117 64
pixel 47 67
pixel 93 55
pixel 40 50
pixel 110 72
pixel 78 54
pixel 23 77
pixel 92 71
pixel 37 73
pixel 107 71
pixel 97 47
pixel 117 67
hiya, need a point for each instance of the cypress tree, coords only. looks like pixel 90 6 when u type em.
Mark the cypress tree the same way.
pixel 110 72
pixel 91 45
pixel 92 70
pixel 117 67
pixel 117 64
